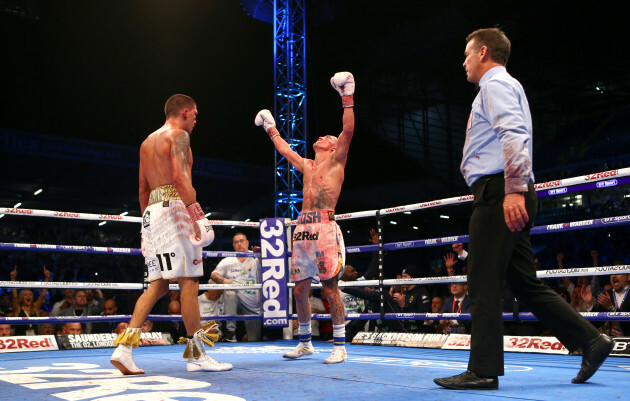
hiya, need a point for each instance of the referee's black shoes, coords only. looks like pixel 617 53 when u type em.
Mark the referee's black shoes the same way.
pixel 468 381
pixel 593 355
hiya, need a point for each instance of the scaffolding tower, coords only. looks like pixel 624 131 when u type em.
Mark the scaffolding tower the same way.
pixel 289 52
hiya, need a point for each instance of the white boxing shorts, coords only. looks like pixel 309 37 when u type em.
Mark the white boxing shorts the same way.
pixel 166 230
pixel 318 247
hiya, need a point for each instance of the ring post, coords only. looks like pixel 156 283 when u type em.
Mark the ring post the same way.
pixel 379 230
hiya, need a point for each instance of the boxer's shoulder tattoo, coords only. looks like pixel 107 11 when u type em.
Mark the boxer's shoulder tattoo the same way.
pixel 181 146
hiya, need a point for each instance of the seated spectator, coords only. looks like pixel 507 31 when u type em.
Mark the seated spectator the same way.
pixel 59 328
pixel 110 308
pixel 456 266
pixel 351 303
pixel 93 297
pixel 564 294
pixel 434 326
pixel 458 302
pixel 73 328
pixel 147 326
pixel 24 306
pixel 5 330
pixel 45 329
pixel 415 298
pixel 175 327
pixel 317 306
pixel 81 308
pixel 391 305
pixel 582 280
pixel 121 327
pixel 577 302
pixel 616 300
pixel 5 304
pixel 66 302
pixel 211 303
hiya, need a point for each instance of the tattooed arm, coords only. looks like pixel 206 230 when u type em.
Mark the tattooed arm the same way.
pixel 181 166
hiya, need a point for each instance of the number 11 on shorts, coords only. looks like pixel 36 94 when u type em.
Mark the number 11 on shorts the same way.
pixel 167 257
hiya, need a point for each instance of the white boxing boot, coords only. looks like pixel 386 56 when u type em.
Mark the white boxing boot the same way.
pixel 337 355
pixel 302 349
pixel 195 352
pixel 122 357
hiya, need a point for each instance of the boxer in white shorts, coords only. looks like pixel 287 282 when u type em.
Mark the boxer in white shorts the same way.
pixel 174 230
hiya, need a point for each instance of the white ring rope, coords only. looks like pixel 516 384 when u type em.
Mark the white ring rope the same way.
pixel 544 186
pixel 543 274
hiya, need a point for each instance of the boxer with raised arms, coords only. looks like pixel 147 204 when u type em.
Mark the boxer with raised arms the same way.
pixel 318 248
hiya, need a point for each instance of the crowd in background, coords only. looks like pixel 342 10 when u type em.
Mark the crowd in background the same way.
pixel 580 248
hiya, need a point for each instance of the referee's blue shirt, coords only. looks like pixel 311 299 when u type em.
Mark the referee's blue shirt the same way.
pixel 499 132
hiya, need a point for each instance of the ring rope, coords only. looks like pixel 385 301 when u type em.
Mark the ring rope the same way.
pixel 391 246
pixel 543 274
pixel 508 316
pixel 106 217
pixel 554 187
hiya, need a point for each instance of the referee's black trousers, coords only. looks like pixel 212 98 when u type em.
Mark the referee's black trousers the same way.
pixel 496 255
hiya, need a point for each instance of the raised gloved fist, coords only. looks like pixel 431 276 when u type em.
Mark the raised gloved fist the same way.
pixel 203 233
pixel 265 119
pixel 343 82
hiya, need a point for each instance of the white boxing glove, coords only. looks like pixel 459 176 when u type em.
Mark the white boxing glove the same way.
pixel 203 233
pixel 343 82
pixel 265 119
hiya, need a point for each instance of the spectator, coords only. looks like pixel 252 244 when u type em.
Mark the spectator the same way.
pixel 582 280
pixel 23 305
pixel 121 327
pixel 456 266
pixel 73 328
pixel 176 328
pixel 5 330
pixel 147 326
pixel 162 304
pixel 435 326
pixel 372 270
pixel 415 299
pixel 5 304
pixel 81 308
pixel 351 303
pixel 458 302
pixel 211 303
pixel 110 308
pixel 93 297
pixel 240 270
pixel 66 302
pixel 59 329
pixel 616 300
pixel 45 329
pixel 390 305
pixel 564 294
pixel 317 306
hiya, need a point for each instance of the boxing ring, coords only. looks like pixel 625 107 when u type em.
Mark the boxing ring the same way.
pixel 259 369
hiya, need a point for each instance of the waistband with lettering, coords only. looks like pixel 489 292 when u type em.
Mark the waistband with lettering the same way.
pixel 163 193
pixel 316 216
